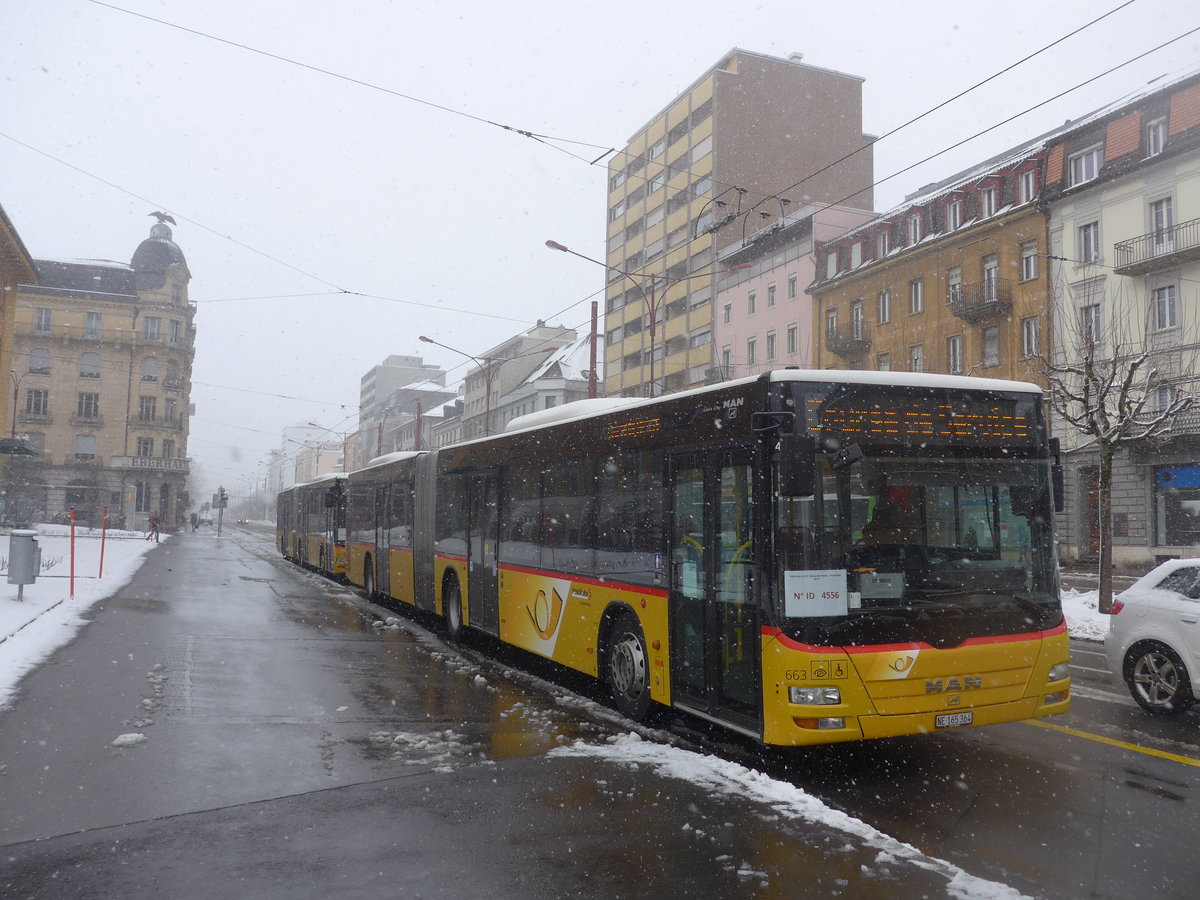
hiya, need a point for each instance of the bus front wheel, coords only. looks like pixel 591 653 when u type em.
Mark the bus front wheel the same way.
pixel 626 667
pixel 452 606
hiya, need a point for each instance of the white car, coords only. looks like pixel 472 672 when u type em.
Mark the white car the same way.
pixel 1154 637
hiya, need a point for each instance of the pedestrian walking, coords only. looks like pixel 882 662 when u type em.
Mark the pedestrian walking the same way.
pixel 153 532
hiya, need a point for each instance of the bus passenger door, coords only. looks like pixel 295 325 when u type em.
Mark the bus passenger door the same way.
pixel 483 600
pixel 383 577
pixel 714 621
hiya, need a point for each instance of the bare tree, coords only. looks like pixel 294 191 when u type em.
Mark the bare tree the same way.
pixel 1117 385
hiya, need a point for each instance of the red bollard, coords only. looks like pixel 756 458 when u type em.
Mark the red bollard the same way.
pixel 72 553
pixel 103 533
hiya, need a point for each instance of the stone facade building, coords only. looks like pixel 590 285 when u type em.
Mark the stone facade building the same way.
pixel 102 373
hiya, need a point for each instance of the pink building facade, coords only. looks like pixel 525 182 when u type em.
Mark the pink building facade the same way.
pixel 763 317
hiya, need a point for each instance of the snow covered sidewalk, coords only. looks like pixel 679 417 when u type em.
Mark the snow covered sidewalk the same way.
pixel 49 616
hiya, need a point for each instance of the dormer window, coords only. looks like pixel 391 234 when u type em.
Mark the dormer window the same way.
pixel 1027 185
pixel 914 228
pixel 883 244
pixel 1085 165
pixel 831 264
pixel 856 254
pixel 954 215
pixel 1156 137
pixel 987 202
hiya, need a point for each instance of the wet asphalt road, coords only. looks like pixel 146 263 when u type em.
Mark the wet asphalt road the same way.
pixel 295 749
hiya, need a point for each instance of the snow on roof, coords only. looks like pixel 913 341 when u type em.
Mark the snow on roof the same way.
pixel 573 360
pixel 392 457
pixel 576 410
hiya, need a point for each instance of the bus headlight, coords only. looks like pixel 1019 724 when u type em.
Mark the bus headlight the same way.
pixel 814 696
pixel 1059 672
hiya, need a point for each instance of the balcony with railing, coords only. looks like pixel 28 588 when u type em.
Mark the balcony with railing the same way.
pixel 849 341
pixel 983 301
pixel 166 423
pixel 1159 249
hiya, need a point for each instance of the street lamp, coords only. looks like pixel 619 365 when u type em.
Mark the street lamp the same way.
pixel 651 302
pixel 493 363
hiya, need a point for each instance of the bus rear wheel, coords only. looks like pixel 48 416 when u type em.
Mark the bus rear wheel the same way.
pixel 626 667
pixel 369 578
pixel 452 607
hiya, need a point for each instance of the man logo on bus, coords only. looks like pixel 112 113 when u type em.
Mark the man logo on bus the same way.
pixel 966 683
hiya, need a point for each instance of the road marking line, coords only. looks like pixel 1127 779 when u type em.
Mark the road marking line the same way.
pixel 1112 742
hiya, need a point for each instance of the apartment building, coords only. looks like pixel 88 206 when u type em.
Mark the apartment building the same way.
pixel 727 156
pixel 1123 196
pixel 16 267
pixel 953 280
pixel 102 372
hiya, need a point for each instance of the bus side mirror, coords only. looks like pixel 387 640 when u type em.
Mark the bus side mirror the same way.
pixel 1057 481
pixel 796 453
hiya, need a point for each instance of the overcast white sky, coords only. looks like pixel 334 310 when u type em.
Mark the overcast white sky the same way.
pixel 291 186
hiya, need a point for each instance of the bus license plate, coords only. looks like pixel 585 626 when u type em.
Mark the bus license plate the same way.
pixel 953 720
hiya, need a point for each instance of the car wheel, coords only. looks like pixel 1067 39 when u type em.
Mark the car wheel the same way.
pixel 627 668
pixel 1157 678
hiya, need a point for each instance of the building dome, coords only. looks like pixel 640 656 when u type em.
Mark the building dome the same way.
pixel 154 257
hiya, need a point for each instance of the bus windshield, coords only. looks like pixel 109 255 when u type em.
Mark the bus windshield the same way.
pixel 895 541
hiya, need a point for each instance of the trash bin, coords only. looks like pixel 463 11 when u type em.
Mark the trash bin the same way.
pixel 24 559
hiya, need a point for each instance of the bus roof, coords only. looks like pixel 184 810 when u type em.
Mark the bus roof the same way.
pixel 392 457
pixel 581 409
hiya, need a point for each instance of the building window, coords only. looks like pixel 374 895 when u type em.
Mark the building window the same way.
pixel 954 284
pixel 831 317
pixel 41 320
pixel 856 254
pixel 1089 242
pixel 1029 260
pixel 1164 396
pixel 883 244
pixel 831 264
pixel 657 148
pixel 1027 185
pixel 1091 323
pixel 791 290
pixel 1156 137
pixel 1162 220
pixel 727 362
pixel 142 496
pixel 85 446
pixel 1085 166
pixel 89 365
pixel 751 303
pixel 954 215
pixel 149 369
pixel 916 296
pixel 147 408
pixel 37 403
pixel 169 406
pixel 88 405
pixel 916 358
pixel 1031 341
pixel 1164 307
pixel 727 314
pixel 884 362
pixel 700 338
pixel 885 307
pixel 168 445
pixel 616 211
pixel 954 354
pixel 751 351
pixel 987 202
pixel 39 361
pixel 770 345
pixel 914 228
pixel 770 295
pixel 856 319
pixel 991 346
pixel 991 277
pixel 91 327
pixel 655 182
pixel 793 339
pixel 153 328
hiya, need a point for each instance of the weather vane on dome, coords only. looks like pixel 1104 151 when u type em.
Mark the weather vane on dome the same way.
pixel 162 217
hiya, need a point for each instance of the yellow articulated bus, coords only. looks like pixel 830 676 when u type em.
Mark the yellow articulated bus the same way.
pixel 310 524
pixel 802 557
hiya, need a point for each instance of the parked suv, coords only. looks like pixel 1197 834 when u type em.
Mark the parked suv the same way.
pixel 1154 637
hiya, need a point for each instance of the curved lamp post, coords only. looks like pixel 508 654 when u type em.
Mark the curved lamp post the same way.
pixel 651 301
pixel 487 365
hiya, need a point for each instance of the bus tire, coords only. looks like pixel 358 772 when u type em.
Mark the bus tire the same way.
pixel 627 667
pixel 452 607
pixel 369 578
